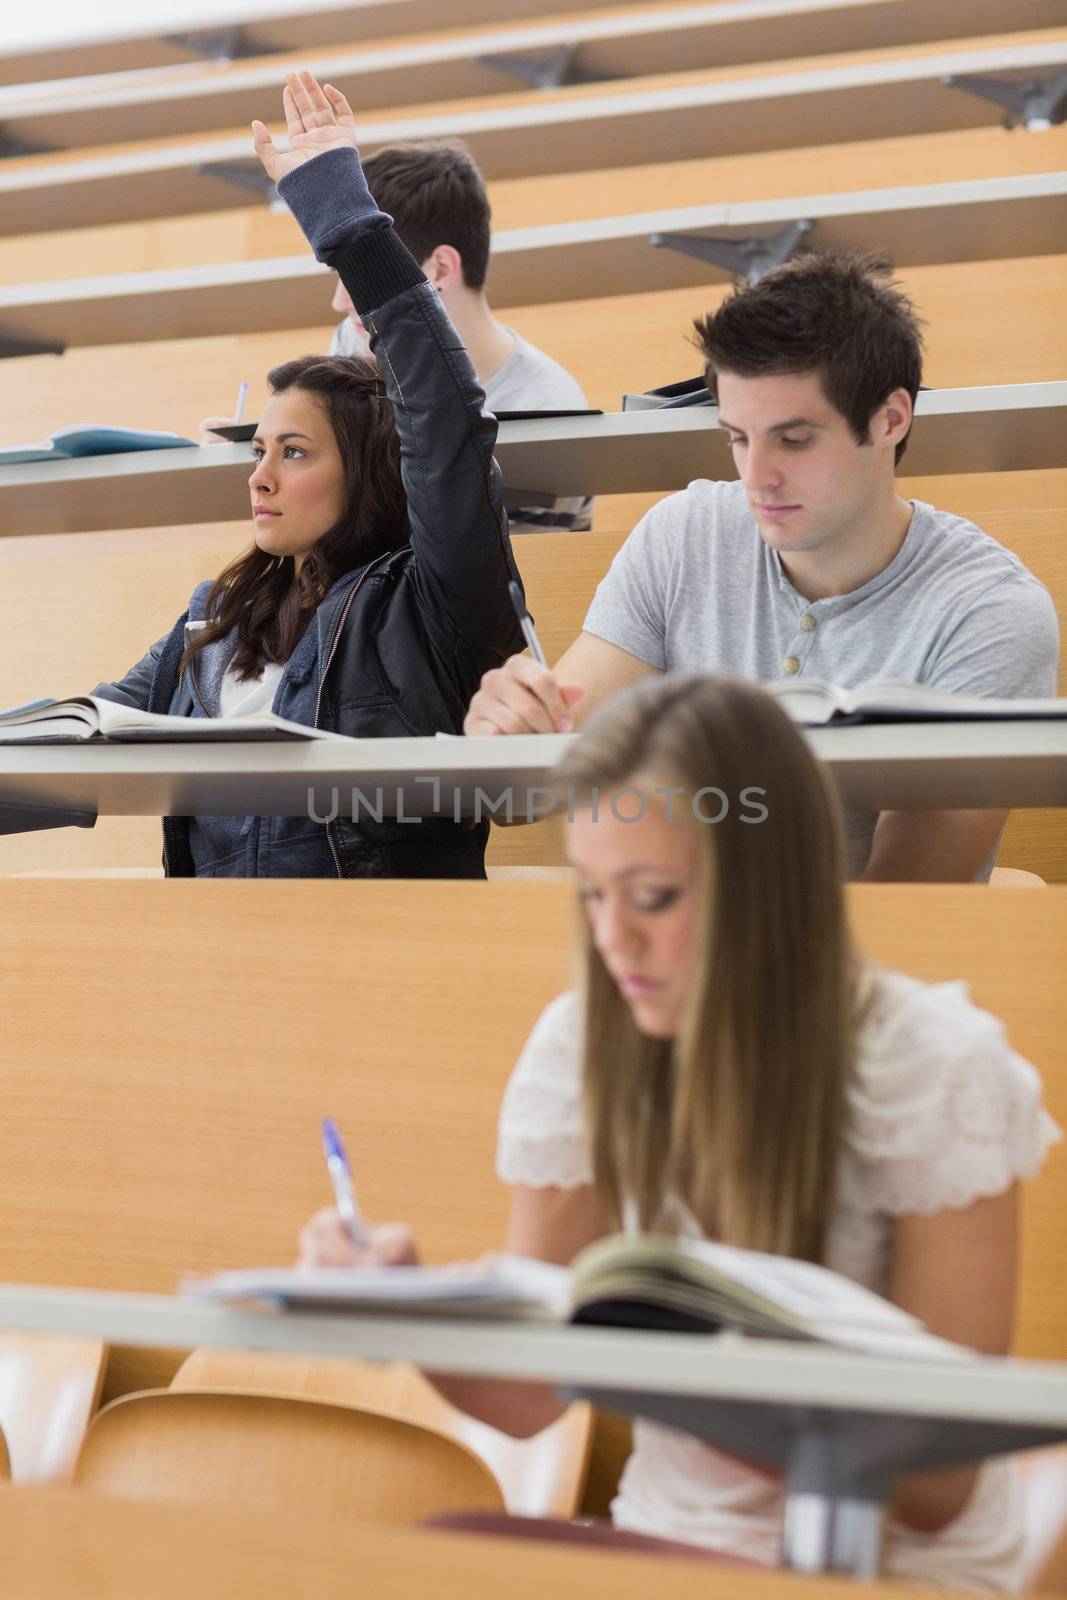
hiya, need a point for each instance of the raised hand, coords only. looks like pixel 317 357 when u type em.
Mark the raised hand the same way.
pixel 318 118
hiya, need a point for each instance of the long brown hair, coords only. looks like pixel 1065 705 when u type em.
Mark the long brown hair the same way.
pixel 270 604
pixel 740 1117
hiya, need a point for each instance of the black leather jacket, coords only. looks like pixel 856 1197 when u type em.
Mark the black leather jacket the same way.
pixel 398 647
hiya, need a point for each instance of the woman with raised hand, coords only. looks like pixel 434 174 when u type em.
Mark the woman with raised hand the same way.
pixel 375 594
pixel 732 1069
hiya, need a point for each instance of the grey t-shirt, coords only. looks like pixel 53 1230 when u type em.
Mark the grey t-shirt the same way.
pixel 528 381
pixel 696 587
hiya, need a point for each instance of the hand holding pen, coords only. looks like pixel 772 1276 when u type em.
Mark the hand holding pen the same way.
pixel 338 1235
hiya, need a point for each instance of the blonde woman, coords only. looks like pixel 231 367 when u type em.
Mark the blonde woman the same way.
pixel 730 1068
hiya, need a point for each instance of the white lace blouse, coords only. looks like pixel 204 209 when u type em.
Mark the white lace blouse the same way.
pixel 942 1112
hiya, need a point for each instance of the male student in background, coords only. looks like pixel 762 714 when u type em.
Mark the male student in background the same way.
pixel 812 563
pixel 436 195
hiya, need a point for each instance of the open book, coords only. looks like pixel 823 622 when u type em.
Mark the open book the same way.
pixel 89 717
pixel 812 701
pixel 633 1281
pixel 90 440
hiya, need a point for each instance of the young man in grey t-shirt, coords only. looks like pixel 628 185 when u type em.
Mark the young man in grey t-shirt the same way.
pixel 812 563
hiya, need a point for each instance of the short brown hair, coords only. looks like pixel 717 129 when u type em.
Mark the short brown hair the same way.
pixel 843 317
pixel 435 194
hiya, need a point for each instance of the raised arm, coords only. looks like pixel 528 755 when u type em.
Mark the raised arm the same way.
pixel 455 502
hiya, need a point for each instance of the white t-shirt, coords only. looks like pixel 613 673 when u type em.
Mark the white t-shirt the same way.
pixel 942 1112
pixel 247 697
pixel 528 381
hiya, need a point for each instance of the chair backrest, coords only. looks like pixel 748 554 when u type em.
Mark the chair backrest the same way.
pixel 49 1389
pixel 279 1453
pixel 539 1477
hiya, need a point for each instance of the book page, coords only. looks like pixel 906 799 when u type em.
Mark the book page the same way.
pixel 495 1284
pixel 811 700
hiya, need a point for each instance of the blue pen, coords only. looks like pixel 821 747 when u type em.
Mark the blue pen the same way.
pixel 344 1191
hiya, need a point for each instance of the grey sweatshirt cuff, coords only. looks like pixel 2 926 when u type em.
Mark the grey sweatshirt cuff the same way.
pixel 330 200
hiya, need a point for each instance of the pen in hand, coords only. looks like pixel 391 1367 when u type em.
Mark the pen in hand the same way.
pixel 343 1188
pixel 526 623
pixel 239 408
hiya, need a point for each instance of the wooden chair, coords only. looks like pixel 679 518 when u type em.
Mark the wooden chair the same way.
pixel 538 1477
pixel 281 1453
pixel 49 1389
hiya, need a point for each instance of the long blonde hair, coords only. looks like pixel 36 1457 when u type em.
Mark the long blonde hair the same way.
pixel 740 1117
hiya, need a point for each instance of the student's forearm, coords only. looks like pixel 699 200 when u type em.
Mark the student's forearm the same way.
pixel 928 1501
pixel 516 1408
pixel 932 846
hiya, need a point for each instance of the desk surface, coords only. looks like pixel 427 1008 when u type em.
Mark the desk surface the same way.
pixel 568 132
pixel 377 77
pixel 996 428
pixel 919 224
pixel 69 1544
pixel 722 1366
pixel 894 766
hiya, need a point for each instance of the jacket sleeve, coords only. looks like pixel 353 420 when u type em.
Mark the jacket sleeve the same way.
pixel 459 528
pixel 135 688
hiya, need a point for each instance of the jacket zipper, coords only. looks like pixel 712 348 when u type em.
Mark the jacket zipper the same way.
pixel 196 692
pixel 342 619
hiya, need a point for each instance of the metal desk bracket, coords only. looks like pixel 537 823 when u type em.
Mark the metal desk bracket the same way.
pixel 221 45
pixel 1037 103
pixel 244 176
pixel 18 818
pixel 13 145
pixel 744 258
pixel 16 344
pixel 838 1465
pixel 557 70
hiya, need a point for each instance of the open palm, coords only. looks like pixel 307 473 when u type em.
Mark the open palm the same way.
pixel 317 119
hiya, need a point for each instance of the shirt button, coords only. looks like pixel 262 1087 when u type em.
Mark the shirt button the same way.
pixel 791 664
pixel 808 623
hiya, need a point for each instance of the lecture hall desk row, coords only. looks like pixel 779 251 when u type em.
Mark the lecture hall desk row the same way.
pixel 850 96
pixel 456 65
pixel 248 232
pixel 85 584
pixel 626 342
pixel 180 1100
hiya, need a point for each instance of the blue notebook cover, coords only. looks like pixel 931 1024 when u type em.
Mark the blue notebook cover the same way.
pixel 90 440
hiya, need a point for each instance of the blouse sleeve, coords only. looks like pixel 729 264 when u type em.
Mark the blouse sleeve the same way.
pixel 542 1139
pixel 943 1111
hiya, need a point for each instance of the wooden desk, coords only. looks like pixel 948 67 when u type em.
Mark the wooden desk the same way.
pixel 895 766
pixel 555 132
pixel 999 428
pixel 920 225
pixel 457 66
pixel 840 1425
pixel 68 1544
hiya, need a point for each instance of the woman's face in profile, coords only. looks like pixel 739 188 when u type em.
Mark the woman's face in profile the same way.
pixel 638 881
pixel 298 486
